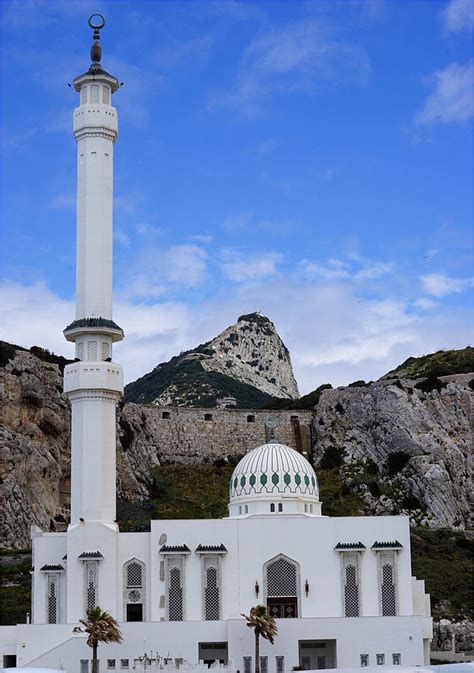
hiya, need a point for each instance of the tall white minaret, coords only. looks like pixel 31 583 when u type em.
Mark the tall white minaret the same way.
pixel 94 384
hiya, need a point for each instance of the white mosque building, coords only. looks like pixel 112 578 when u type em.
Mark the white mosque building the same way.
pixel 340 588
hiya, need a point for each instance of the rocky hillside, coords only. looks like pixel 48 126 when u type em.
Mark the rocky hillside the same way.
pixel 248 362
pixel 403 445
pixel 435 364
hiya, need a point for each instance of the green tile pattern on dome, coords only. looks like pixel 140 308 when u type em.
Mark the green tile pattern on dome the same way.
pixel 274 469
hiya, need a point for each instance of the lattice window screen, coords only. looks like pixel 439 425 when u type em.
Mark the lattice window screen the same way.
pixel 84 666
pixel 94 93
pixel 263 664
pixel 389 606
pixel 53 600
pixel 83 95
pixel 351 591
pixel 281 578
pixel 91 585
pixel 91 351
pixel 134 575
pixel 211 594
pixel 280 664
pixel 106 95
pixel 175 595
pixel 80 351
pixel 105 350
pixel 247 664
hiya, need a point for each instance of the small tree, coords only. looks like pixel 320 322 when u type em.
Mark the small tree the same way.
pixel 263 625
pixel 101 627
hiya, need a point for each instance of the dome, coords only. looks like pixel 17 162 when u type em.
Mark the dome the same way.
pixel 273 471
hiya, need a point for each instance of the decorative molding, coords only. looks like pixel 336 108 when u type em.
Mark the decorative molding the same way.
pixel 176 549
pixel 387 545
pixel 90 556
pixel 349 546
pixel 211 549
pixel 52 568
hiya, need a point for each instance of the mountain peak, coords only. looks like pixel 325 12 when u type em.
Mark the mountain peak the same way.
pixel 248 361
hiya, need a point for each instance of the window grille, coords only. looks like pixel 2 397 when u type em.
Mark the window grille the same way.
pixel 91 351
pixel 84 666
pixel 211 595
pixel 123 664
pixel 134 575
pixel 175 596
pixel 380 659
pixel 91 585
pixel 281 578
pixel 280 664
pixel 263 664
pixel 351 592
pixel 52 601
pixel 397 659
pixel 389 608
pixel 80 351
pixel 105 350
pixel 94 93
pixel 106 95
pixel 111 664
pixel 83 95
pixel 364 660
pixel 247 664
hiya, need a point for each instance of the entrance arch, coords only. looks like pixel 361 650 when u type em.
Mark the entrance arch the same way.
pixel 281 583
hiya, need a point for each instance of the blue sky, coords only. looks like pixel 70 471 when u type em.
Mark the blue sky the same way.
pixel 311 160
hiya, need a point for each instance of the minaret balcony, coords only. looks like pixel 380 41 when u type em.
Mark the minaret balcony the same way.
pixel 98 375
pixel 95 116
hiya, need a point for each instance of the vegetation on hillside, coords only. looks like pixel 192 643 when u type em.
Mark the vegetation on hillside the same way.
pixel 436 364
pixel 193 384
pixel 7 353
pixel 308 401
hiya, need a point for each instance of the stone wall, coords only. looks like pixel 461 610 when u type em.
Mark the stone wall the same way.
pixel 149 436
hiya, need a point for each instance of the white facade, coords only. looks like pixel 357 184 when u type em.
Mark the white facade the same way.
pixel 340 588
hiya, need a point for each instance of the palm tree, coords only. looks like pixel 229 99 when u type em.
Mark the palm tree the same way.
pixel 102 628
pixel 263 625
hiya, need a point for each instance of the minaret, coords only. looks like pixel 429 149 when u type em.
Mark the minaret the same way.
pixel 94 384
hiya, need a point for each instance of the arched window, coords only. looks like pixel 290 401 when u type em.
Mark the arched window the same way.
pixel 134 590
pixel 272 507
pixel 53 599
pixel 175 594
pixel 280 507
pixel 211 594
pixel 351 591
pixel 389 604
pixel 282 581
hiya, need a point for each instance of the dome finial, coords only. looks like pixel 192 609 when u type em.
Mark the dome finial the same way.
pixel 96 22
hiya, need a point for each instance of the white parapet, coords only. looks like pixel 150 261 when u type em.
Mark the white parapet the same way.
pixel 93 376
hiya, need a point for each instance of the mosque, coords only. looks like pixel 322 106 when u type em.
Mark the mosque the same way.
pixel 340 588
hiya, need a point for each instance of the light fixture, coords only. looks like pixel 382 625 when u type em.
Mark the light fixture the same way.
pixel 306 587
pixel 257 588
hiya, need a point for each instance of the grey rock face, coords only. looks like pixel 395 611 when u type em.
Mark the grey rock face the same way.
pixel 252 352
pixel 420 441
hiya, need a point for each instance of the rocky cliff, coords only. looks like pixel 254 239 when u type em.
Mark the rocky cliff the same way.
pixel 404 445
pixel 247 362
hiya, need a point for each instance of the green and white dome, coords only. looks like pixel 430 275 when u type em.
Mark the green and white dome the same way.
pixel 274 473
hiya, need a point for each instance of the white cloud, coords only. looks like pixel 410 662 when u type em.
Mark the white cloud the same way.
pixel 458 15
pixel 439 285
pixel 425 303
pixel 452 99
pixel 65 200
pixel 241 267
pixel 354 268
pixel 331 336
pixel 296 57
pixel 157 271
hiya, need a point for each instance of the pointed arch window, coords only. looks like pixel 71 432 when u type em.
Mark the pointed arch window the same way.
pixel 281 586
pixel 134 573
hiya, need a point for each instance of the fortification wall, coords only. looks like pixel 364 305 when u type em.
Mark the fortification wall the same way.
pixel 196 435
